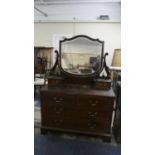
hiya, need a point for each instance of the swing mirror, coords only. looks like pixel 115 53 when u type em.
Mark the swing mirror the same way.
pixel 81 55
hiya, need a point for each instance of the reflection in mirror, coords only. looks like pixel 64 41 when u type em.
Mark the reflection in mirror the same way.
pixel 81 56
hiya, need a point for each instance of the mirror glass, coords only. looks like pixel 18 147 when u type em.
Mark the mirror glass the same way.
pixel 81 56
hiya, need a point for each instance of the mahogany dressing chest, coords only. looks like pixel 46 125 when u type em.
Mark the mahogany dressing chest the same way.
pixel 78 97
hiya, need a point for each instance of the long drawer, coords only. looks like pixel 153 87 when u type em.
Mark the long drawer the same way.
pixel 64 112
pixel 78 124
pixel 78 102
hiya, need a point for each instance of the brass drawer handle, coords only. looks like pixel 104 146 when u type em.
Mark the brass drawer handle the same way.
pixel 96 101
pixel 92 125
pixel 58 122
pixel 59 103
pixel 93 104
pixel 58 112
pixel 92 114
pixel 58 99
pixel 103 84
pixel 58 109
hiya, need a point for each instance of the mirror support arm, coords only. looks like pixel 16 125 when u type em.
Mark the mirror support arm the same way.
pixel 53 69
pixel 106 68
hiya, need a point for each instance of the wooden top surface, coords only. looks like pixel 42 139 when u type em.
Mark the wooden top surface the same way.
pixel 79 91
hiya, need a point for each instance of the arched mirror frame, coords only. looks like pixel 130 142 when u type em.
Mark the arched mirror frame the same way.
pixel 97 72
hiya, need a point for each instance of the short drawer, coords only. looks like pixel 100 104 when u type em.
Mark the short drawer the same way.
pixel 102 85
pixel 54 122
pixel 96 103
pixel 95 125
pixel 57 111
pixel 48 96
pixel 98 115
pixel 57 100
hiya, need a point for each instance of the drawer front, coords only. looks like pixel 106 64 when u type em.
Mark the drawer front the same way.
pixel 63 112
pixel 86 125
pixel 58 106
pixel 57 98
pixel 89 125
pixel 58 111
pixel 103 85
pixel 96 115
pixel 50 100
pixel 95 103
pixel 54 82
pixel 54 122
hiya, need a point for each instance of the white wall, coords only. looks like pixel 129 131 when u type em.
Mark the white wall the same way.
pixel 108 32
